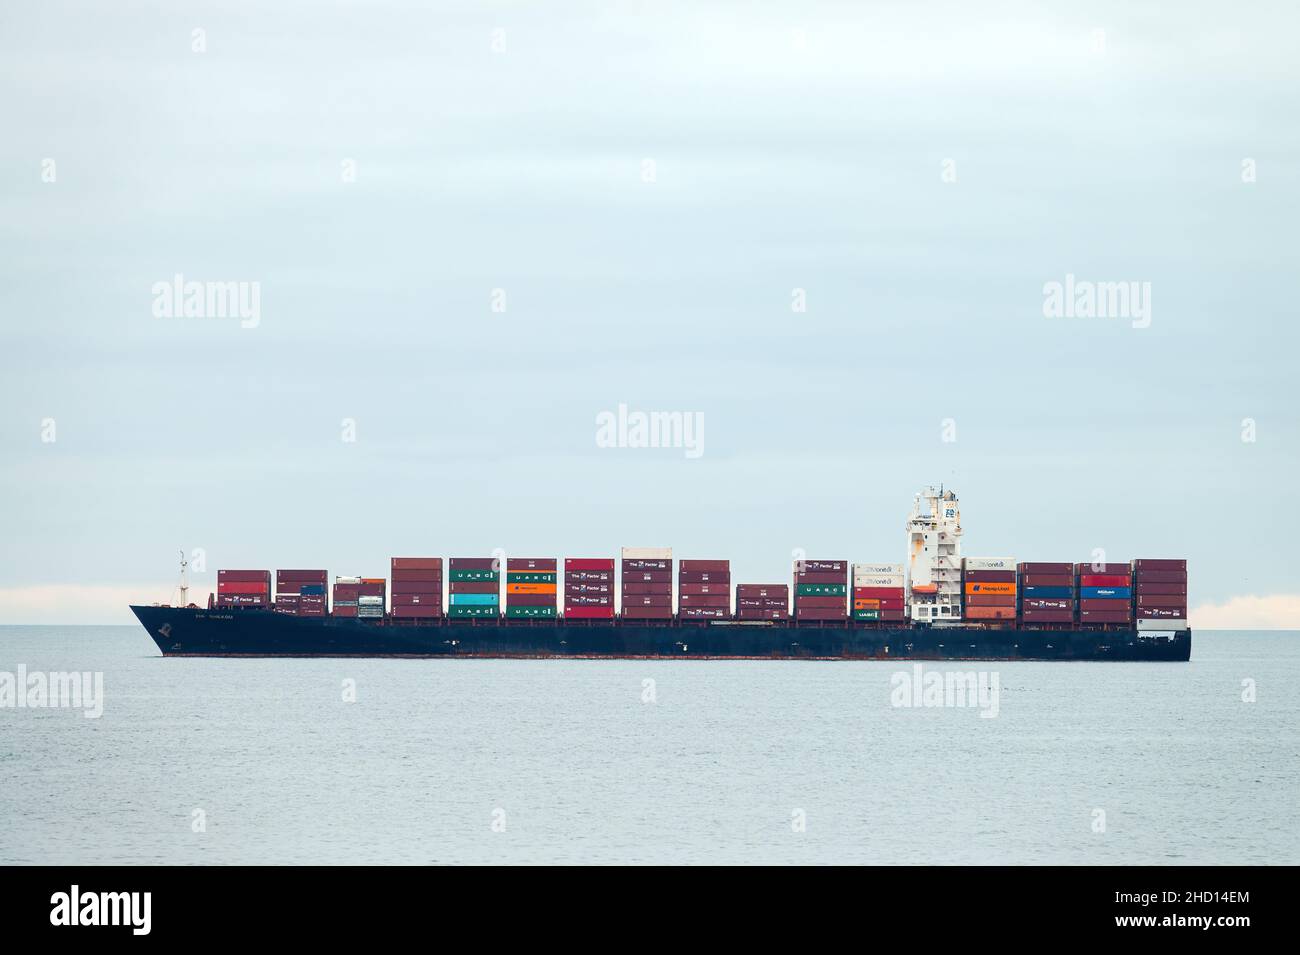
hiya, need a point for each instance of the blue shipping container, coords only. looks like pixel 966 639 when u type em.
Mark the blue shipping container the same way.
pixel 308 590
pixel 475 600
pixel 1105 593
pixel 1048 593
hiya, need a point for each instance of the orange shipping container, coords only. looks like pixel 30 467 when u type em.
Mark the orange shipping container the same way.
pixel 866 604
pixel 530 588
pixel 990 613
pixel 991 588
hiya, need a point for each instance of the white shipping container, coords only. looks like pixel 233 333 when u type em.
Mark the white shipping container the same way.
pixel 347 580
pixel 877 570
pixel 647 553
pixel 990 563
pixel 1164 624
pixel 890 581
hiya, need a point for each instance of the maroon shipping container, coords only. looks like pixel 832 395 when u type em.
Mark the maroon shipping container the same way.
pixel 243 600
pixel 1091 568
pixel 821 602
pixel 412 611
pixel 588 600
pixel 840 567
pixel 474 587
pixel 990 600
pixel 1160 588
pixel 589 613
pixel 704 613
pixel 685 588
pixel 1103 616
pixel 1047 616
pixel 530 600
pixel 245 576
pixel 1162 600
pixel 588 563
pixel 416 563
pixel 418 587
pixel 242 587
pixel 820 613
pixel 304 575
pixel 417 600
pixel 1049 569
pixel 753 613
pixel 704 565
pixel 892 615
pixel 640 563
pixel 821 577
pixel 1047 580
pixel 1036 603
pixel 760 601
pixel 588 576
pixel 704 577
pixel 1161 613
pixel 347 591
pixel 648 577
pixel 1162 576
pixel 648 613
pixel 421 576
pixel 647 600
pixel 347 611
pixel 763 590
pixel 1104 604
pixel 1162 564
pixel 474 563
pixel 377 589
pixel 989 576
pixel 520 564
pixel 665 587
pixel 704 600
pixel 588 588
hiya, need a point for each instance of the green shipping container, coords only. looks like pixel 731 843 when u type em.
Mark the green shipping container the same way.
pixel 866 615
pixel 823 590
pixel 475 575
pixel 530 577
pixel 530 611
pixel 473 611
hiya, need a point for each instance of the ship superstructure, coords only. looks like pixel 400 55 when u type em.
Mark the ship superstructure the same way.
pixel 934 557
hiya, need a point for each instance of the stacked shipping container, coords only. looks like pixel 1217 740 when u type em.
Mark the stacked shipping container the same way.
pixel 763 601
pixel 989 588
pixel 1160 594
pixel 243 588
pixel 703 589
pixel 475 587
pixel 530 586
pixel 648 583
pixel 1105 593
pixel 878 592
pixel 821 589
pixel 1047 592
pixel 417 587
pixel 346 592
pixel 301 592
pixel 589 588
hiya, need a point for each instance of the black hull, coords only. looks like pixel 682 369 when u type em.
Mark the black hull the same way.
pixel 179 631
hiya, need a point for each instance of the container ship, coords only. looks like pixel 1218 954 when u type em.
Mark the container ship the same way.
pixel 936 605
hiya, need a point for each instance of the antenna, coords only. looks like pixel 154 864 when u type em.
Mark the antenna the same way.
pixel 184 584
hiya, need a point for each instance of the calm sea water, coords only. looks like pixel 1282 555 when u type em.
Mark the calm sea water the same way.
pixel 496 761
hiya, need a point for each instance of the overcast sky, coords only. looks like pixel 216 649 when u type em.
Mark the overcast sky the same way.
pixel 647 184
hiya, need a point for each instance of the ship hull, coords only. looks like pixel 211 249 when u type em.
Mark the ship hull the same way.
pixel 180 631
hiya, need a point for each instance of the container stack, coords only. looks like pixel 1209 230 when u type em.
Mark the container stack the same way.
pixel 370 607
pixel 244 588
pixel 417 587
pixel 1160 594
pixel 821 589
pixel 530 586
pixel 475 587
pixel 346 592
pixel 703 589
pixel 648 583
pixel 762 601
pixel 375 587
pixel 1105 593
pixel 589 588
pixel 878 592
pixel 1047 592
pixel 301 592
pixel 989 588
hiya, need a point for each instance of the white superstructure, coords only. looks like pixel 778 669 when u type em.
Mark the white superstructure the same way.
pixel 934 557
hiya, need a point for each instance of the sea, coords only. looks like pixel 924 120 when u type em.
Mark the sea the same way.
pixel 352 761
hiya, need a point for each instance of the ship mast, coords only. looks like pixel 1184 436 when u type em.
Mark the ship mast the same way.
pixel 184 585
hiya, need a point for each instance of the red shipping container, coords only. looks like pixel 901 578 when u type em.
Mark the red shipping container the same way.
pixel 1048 568
pixel 871 593
pixel 991 600
pixel 820 613
pixel 1104 580
pixel 241 587
pixel 244 576
pixel 589 613
pixel 822 602
pixel 589 563
pixel 990 613
pixel 588 600
pixel 1047 580
pixel 417 600
pixel 474 587
pixel 589 588
pixel 704 565
pixel 1161 564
